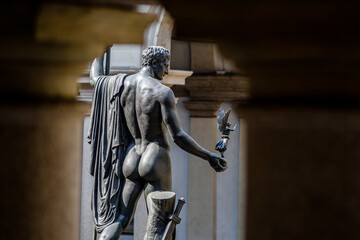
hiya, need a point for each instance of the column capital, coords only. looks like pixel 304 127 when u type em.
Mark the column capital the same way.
pixel 202 108
pixel 218 88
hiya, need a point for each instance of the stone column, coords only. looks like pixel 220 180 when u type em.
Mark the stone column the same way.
pixel 227 183
pixel 44 49
pixel 202 178
pixel 206 94
pixel 303 172
pixel 180 169
pixel 40 173
pixel 242 181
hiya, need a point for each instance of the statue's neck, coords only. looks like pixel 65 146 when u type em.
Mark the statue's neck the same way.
pixel 148 71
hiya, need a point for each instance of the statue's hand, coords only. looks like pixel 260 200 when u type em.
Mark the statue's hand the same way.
pixel 218 163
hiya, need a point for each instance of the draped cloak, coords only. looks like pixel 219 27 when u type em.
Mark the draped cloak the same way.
pixel 109 140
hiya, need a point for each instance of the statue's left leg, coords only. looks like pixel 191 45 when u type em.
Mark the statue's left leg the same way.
pixel 155 169
pixel 160 203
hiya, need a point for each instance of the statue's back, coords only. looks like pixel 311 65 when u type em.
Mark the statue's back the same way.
pixel 141 100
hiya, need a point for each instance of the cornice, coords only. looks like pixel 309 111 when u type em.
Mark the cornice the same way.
pixel 218 88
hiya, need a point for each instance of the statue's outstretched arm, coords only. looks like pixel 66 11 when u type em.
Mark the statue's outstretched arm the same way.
pixel 96 70
pixel 182 139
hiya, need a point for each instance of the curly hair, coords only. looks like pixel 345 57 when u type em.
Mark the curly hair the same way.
pixel 153 53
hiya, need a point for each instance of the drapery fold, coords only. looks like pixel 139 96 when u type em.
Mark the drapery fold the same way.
pixel 109 140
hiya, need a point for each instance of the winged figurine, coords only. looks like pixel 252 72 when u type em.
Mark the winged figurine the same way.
pixel 225 128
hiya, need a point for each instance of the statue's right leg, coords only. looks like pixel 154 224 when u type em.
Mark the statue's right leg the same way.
pixel 131 193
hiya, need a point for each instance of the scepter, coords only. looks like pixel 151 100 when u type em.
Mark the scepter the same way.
pixel 225 128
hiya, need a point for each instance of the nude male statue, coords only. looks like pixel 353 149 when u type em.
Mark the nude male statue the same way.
pixel 148 109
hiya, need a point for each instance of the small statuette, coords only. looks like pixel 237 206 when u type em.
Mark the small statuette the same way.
pixel 225 128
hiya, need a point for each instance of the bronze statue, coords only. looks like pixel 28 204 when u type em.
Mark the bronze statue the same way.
pixel 129 148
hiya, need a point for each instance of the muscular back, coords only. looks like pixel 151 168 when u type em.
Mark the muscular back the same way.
pixel 141 100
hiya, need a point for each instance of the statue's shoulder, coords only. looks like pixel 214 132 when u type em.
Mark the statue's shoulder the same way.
pixel 131 79
pixel 166 90
pixel 166 94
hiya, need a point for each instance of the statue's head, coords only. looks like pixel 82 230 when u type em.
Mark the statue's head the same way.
pixel 158 59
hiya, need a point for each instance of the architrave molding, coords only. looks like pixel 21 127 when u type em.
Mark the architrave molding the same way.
pixel 202 108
